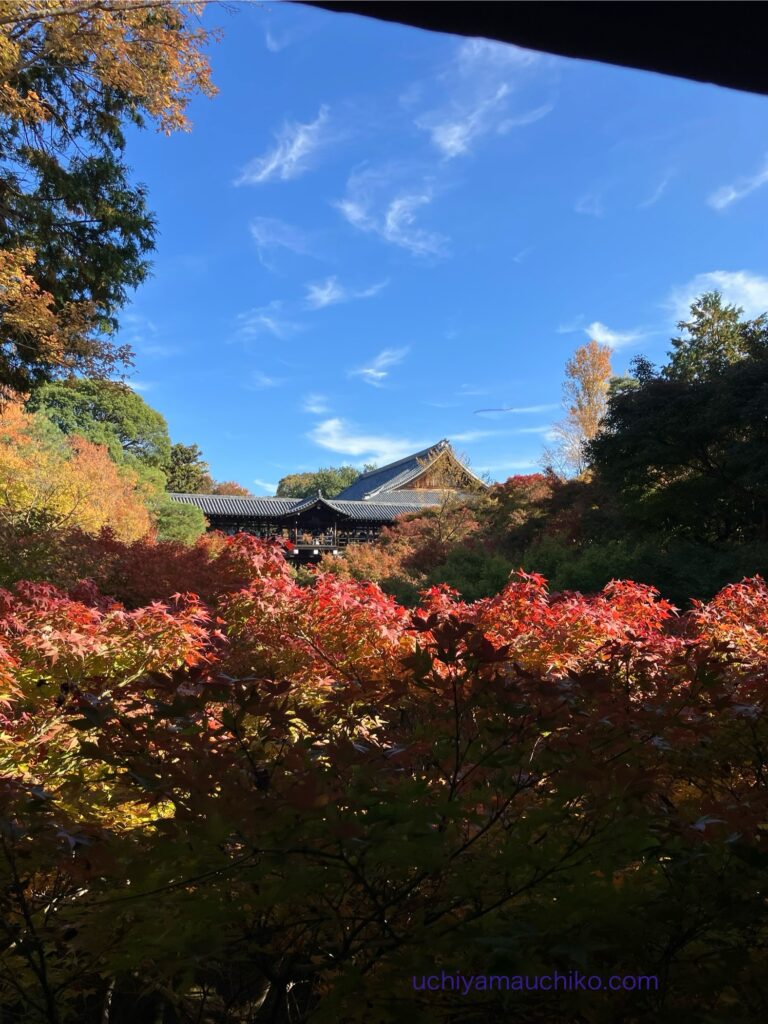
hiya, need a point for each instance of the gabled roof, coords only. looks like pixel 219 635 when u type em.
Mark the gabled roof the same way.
pixel 377 496
pixel 372 511
pixel 233 505
pixel 397 475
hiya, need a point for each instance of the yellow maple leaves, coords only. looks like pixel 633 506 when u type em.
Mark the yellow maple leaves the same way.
pixel 151 51
pixel 53 482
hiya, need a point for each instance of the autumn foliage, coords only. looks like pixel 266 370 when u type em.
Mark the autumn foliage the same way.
pixel 283 802
pixel 49 482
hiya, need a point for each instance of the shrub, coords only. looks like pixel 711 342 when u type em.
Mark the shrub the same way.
pixel 303 800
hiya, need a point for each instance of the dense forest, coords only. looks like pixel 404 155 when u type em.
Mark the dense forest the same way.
pixel 523 736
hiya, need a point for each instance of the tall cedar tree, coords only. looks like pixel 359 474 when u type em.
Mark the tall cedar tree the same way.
pixel 75 232
pixel 713 339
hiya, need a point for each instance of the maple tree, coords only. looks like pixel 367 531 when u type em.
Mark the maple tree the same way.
pixel 75 232
pixel 48 482
pixel 293 799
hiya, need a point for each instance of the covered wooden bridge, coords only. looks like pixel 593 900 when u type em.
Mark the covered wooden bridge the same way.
pixel 316 525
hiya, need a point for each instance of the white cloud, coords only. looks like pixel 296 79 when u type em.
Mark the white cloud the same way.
pixel 260 381
pixel 391 218
pixel 590 204
pixel 475 93
pixel 615 339
pixel 316 404
pixel 738 287
pixel 454 135
pixel 486 54
pixel 655 196
pixel 546 430
pixel 338 436
pixel 471 390
pixel 290 157
pixel 503 466
pixel 378 370
pixel 141 385
pixel 521 120
pixel 516 410
pixel 473 435
pixel 572 325
pixel 266 485
pixel 269 234
pixel 266 320
pixel 274 43
pixel 161 351
pixel 331 291
pixel 728 194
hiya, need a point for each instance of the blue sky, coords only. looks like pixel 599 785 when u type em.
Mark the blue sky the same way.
pixel 375 237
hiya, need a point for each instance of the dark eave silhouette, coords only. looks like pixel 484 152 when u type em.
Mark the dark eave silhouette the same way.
pixel 718 42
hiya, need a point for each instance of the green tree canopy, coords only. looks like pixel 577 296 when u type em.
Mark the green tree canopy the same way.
pixel 687 457
pixel 72 222
pixel 106 413
pixel 331 480
pixel 187 472
pixel 714 338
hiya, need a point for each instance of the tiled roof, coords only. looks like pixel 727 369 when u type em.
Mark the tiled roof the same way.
pixel 286 508
pixel 406 497
pixel 374 511
pixel 379 484
pixel 396 474
pixel 377 496
pixel 232 505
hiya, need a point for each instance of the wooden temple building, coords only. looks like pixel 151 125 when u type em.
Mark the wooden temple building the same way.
pixel 316 525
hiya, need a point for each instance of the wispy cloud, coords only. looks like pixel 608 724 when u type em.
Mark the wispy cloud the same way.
pixel 141 333
pixel 575 324
pixel 475 95
pixel 526 118
pixel 378 369
pixel 316 404
pixel 266 485
pixel 261 381
pixel 337 435
pixel 545 429
pixel 516 410
pixel 474 435
pixel 160 351
pixel 738 287
pixel 330 292
pixel 271 234
pixel 290 157
pixel 141 385
pixel 500 467
pixel 655 196
pixel 454 134
pixel 269 319
pixel 727 194
pixel 615 339
pixel 392 218
pixel 275 43
pixel 590 204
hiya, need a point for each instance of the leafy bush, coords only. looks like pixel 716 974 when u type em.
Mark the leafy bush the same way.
pixel 294 805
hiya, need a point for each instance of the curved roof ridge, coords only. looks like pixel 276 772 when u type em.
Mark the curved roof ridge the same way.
pixel 442 443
